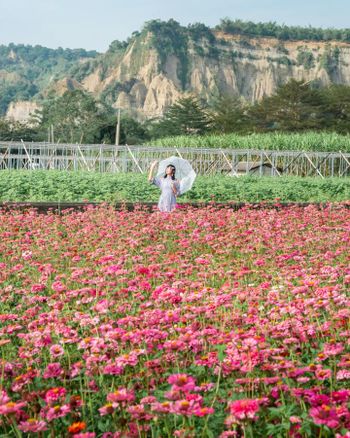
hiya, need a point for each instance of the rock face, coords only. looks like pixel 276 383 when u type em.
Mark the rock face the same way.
pixel 145 80
pixel 21 111
pixel 65 84
pixel 248 67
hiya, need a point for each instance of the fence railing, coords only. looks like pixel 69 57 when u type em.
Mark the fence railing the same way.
pixel 205 161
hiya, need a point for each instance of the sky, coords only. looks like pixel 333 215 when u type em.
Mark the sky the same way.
pixel 93 25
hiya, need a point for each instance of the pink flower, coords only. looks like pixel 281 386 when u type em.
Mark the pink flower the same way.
pixel 11 408
pixel 112 435
pixel 113 369
pixel 57 412
pixel 54 394
pixel 326 415
pixel 53 370
pixel 185 407
pixel 32 426
pixel 38 287
pixel 56 350
pixel 333 349
pixel 106 409
pixel 85 435
pixel 244 409
pixel 120 395
pixel 202 411
pixel 164 407
pixel 139 413
pixel 202 261
pixel 4 398
pixel 341 396
pixel 323 374
pixel 182 382
pixel 148 400
pixel 343 375
pixel 57 286
pixel 27 255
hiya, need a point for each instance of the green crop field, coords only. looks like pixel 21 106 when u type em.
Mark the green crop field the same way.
pixel 80 186
pixel 312 141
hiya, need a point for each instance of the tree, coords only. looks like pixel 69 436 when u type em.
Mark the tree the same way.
pixel 132 131
pixel 337 108
pixel 229 115
pixel 295 106
pixel 76 117
pixel 186 116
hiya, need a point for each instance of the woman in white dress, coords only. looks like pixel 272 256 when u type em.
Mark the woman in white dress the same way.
pixel 169 186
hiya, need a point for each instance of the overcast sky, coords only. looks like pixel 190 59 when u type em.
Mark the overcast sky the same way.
pixel 92 24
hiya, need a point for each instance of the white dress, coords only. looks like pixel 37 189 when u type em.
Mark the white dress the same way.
pixel 167 200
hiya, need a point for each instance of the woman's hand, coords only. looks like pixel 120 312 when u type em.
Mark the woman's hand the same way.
pixel 150 175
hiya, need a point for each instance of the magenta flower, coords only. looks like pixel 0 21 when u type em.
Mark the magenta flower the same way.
pixel 54 394
pixel 53 370
pixel 326 415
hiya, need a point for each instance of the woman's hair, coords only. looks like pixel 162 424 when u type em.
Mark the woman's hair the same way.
pixel 174 170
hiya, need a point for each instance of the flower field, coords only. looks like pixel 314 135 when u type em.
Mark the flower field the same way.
pixel 201 323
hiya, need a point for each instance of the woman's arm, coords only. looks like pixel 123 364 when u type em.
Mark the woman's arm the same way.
pixel 150 174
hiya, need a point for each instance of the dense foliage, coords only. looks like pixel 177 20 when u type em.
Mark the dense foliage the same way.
pixel 296 107
pixel 78 186
pixel 282 32
pixel 75 117
pixel 27 69
pixel 308 141
pixel 187 116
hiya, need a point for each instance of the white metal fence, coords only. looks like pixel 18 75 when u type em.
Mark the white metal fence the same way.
pixel 205 161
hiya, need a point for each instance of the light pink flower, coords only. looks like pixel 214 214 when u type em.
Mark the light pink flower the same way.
pixel 57 411
pixel 32 426
pixel 343 375
pixel 56 350
pixel 11 408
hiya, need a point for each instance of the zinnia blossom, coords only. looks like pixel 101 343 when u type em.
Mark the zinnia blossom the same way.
pixel 32 426
pixel 244 409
